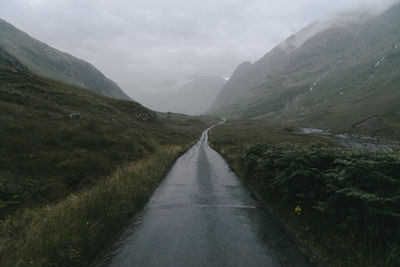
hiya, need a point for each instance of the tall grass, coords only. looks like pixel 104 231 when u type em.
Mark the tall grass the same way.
pixel 74 230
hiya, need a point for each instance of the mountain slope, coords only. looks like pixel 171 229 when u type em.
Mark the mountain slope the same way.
pixel 8 60
pixel 57 138
pixel 52 63
pixel 248 76
pixel 340 76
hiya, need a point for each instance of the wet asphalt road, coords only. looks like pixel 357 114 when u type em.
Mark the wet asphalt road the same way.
pixel 202 215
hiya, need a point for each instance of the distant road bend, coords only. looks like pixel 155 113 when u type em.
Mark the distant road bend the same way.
pixel 202 215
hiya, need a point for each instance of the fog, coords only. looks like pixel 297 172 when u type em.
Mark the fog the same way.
pixel 142 44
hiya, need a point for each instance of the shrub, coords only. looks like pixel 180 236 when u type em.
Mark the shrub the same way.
pixel 357 193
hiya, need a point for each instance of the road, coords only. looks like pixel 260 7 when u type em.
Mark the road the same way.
pixel 202 215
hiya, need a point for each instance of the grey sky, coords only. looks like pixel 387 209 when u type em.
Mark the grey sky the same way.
pixel 139 43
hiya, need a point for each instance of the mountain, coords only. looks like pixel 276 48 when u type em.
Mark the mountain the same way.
pixel 189 95
pixel 248 75
pixel 56 138
pixel 52 63
pixel 337 73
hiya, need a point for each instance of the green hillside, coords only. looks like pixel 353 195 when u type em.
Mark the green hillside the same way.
pixel 45 154
pixel 52 63
pixel 76 166
pixel 342 77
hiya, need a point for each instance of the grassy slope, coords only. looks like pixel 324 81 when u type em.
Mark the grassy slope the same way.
pixel 297 72
pixel 348 221
pixel 344 97
pixel 359 90
pixel 357 97
pixel 53 166
pixel 45 154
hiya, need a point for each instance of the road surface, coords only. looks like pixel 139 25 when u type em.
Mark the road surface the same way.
pixel 202 215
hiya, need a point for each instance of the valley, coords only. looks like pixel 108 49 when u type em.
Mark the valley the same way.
pixel 294 160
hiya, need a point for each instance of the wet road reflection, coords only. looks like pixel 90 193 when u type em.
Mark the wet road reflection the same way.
pixel 202 215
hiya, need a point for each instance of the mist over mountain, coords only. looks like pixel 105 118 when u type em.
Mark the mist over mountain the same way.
pixel 248 75
pixel 335 73
pixel 6 59
pixel 190 95
pixel 52 63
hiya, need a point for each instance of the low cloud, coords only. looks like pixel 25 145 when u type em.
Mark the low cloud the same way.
pixel 141 43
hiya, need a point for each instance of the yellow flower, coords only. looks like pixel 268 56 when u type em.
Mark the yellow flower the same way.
pixel 297 210
pixel 87 222
pixel 31 262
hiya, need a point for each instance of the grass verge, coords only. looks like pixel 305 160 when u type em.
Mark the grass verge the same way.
pixel 74 230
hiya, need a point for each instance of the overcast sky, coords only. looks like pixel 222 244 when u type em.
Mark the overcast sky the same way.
pixel 140 42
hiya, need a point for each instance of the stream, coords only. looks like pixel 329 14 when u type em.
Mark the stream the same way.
pixel 354 141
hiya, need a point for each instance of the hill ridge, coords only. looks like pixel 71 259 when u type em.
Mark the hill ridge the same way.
pixel 45 60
